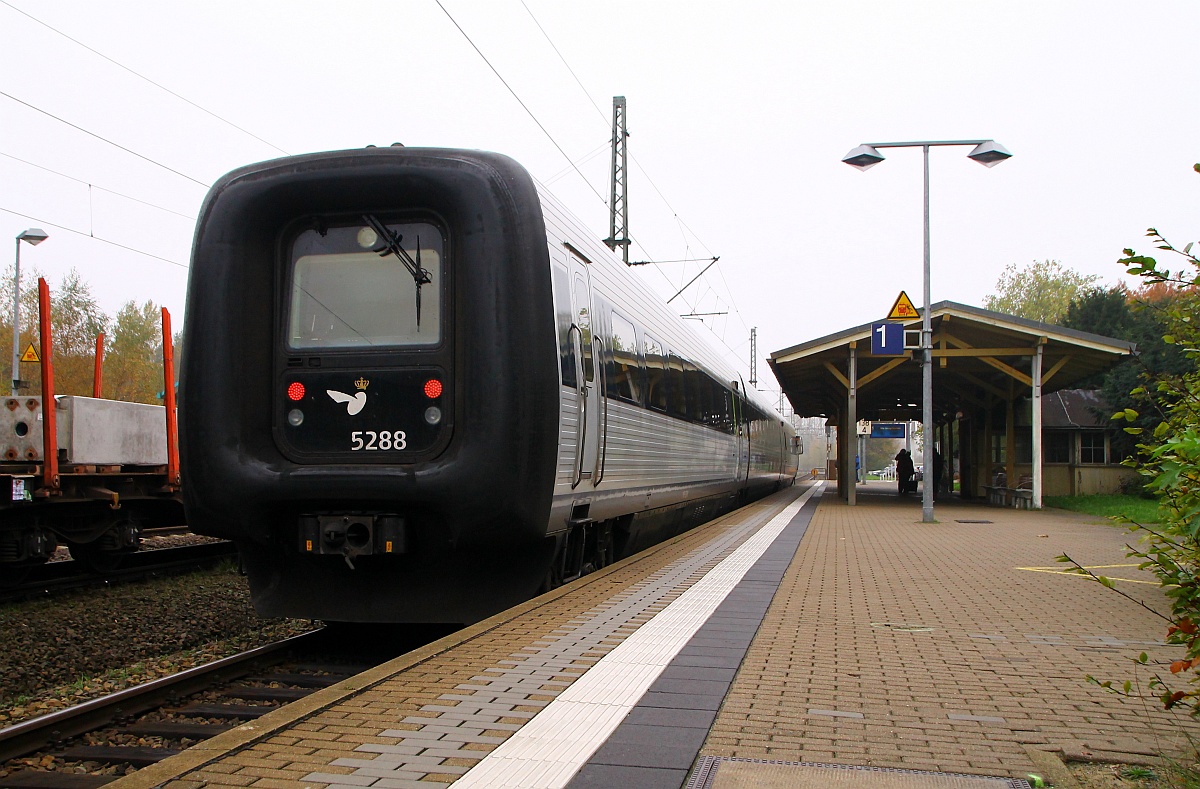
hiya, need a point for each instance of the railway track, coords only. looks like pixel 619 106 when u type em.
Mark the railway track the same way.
pixel 94 743
pixel 56 577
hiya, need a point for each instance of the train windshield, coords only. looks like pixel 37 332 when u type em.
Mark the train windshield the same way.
pixel 371 284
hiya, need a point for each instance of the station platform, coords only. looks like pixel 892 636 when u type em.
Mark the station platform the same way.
pixel 797 642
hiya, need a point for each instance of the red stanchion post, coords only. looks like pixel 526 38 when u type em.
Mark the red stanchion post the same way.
pixel 169 401
pixel 50 482
pixel 98 375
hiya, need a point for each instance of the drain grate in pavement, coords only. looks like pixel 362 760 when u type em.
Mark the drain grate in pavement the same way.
pixel 968 520
pixel 722 772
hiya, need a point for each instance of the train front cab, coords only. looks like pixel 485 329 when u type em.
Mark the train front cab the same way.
pixel 360 410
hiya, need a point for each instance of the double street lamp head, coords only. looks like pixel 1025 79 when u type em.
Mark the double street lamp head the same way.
pixel 989 153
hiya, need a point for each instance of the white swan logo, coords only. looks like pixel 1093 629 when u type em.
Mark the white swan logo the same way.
pixel 354 403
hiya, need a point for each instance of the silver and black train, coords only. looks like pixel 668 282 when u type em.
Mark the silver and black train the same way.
pixel 415 389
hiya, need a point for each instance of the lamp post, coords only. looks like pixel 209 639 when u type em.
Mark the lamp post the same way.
pixel 34 236
pixel 989 153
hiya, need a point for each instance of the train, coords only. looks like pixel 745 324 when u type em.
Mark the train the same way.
pixel 416 389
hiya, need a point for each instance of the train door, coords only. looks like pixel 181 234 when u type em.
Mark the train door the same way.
pixel 587 446
pixel 741 431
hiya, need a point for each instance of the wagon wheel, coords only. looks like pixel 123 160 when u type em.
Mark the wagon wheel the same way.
pixel 106 554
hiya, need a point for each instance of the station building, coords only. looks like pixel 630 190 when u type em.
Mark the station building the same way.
pixel 1006 400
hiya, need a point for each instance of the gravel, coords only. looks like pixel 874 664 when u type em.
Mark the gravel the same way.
pixel 62 651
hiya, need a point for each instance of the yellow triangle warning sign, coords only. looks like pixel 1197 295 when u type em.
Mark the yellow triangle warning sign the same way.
pixel 31 354
pixel 903 309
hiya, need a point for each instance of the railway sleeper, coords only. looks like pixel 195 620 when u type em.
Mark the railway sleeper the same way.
pixel 250 693
pixel 134 755
pixel 40 779
pixel 170 730
pixel 304 680
pixel 233 711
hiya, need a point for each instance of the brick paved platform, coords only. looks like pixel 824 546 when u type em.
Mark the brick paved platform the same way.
pixel 878 642
pixel 949 646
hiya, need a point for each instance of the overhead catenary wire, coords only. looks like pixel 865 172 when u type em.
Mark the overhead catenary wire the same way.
pixel 528 111
pixel 101 188
pixel 143 77
pixel 104 139
pixel 587 157
pixel 95 238
pixel 654 186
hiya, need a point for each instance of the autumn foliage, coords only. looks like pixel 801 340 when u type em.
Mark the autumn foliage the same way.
pixel 132 369
pixel 1168 459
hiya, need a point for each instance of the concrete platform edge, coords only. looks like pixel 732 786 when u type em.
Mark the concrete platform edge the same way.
pixel 203 753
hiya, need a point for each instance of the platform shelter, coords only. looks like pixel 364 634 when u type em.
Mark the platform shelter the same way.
pixel 986 366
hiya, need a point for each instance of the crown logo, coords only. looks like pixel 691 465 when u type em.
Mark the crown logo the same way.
pixel 362 383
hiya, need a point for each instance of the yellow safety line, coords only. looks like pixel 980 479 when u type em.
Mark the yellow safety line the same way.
pixel 1056 571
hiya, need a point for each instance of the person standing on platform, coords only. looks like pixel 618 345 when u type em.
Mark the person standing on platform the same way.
pixel 904 472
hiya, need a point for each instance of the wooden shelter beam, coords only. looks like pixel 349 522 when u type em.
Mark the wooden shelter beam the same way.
pixel 836 373
pixel 1061 363
pixel 991 360
pixel 984 385
pixel 982 351
pixel 882 371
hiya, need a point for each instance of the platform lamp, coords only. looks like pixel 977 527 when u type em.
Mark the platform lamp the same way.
pixel 989 153
pixel 34 236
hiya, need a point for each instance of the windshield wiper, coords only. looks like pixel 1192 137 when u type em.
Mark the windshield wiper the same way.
pixel 390 245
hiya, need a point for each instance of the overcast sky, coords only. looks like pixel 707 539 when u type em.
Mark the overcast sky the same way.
pixel 739 114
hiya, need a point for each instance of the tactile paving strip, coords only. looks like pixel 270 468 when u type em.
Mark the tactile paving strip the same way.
pixel 525 682
pixel 557 743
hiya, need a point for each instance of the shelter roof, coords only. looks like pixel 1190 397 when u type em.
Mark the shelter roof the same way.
pixel 978 356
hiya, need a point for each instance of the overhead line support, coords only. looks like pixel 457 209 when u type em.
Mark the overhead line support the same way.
pixel 618 206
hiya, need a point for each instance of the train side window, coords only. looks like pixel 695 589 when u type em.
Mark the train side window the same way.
pixel 712 394
pixel 656 375
pixel 676 387
pixel 724 410
pixel 625 378
pixel 697 390
pixel 583 319
pixel 562 311
pixel 709 416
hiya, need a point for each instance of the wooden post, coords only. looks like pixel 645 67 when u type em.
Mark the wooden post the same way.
pixel 1037 426
pixel 1010 439
pixel 985 451
pixel 852 429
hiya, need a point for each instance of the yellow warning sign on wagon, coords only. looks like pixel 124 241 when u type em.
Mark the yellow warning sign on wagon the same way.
pixel 31 354
pixel 903 309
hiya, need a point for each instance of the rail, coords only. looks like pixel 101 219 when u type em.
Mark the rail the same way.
pixel 46 730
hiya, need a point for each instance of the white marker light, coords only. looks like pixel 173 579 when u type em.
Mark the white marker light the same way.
pixel 433 415
pixel 295 417
pixel 367 238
